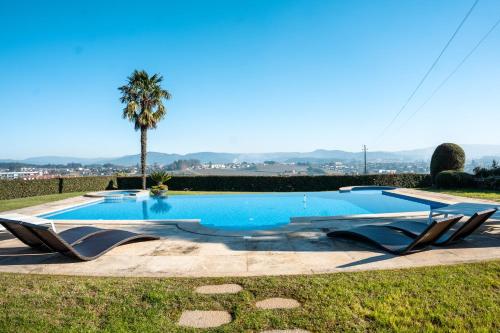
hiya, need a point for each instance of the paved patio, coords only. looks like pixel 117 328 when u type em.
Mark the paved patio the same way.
pixel 300 248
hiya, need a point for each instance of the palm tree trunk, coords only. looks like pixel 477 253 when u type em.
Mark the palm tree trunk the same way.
pixel 144 141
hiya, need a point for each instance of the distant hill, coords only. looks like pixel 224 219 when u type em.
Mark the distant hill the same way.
pixel 473 151
pixel 63 160
pixel 153 157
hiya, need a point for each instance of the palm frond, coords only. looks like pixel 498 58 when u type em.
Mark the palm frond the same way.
pixel 143 96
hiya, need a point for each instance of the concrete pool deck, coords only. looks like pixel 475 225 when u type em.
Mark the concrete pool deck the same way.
pixel 299 248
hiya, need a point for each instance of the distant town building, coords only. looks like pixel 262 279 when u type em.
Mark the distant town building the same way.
pixel 387 172
pixel 26 175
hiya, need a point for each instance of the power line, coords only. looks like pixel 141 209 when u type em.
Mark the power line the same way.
pixel 429 70
pixel 453 72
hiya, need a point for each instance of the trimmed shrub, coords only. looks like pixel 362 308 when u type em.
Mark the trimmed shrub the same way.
pixel 11 189
pixel 133 182
pixel 447 156
pixel 278 183
pixel 83 184
pixel 454 179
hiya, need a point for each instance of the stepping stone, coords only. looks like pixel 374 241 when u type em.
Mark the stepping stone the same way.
pixel 204 319
pixel 277 303
pixel 292 330
pixel 219 289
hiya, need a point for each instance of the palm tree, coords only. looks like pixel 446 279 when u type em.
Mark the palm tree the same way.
pixel 143 98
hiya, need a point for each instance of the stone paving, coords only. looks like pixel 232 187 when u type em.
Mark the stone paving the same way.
pixel 207 319
pixel 277 303
pixel 219 289
pixel 204 319
pixel 296 330
pixel 299 248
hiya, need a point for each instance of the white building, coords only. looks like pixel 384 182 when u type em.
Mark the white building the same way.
pixel 387 172
pixel 26 175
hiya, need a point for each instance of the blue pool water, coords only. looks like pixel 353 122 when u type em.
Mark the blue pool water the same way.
pixel 243 211
pixel 112 193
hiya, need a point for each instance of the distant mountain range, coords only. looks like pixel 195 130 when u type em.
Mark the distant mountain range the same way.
pixel 473 151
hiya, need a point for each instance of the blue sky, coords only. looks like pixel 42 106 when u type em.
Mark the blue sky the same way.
pixel 246 76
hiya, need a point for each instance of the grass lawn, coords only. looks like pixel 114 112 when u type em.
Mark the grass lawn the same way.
pixel 32 201
pixel 470 193
pixel 447 298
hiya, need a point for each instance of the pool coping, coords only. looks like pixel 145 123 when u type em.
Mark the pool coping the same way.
pixel 346 189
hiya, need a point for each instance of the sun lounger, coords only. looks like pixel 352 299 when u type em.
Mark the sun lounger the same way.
pixel 89 248
pixel 25 235
pixel 465 208
pixel 464 229
pixel 395 241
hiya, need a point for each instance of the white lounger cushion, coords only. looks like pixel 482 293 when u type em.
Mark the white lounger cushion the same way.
pixel 26 218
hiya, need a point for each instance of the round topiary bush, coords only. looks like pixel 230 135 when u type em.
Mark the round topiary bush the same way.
pixel 454 179
pixel 447 156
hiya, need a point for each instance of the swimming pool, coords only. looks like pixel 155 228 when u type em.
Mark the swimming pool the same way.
pixel 245 211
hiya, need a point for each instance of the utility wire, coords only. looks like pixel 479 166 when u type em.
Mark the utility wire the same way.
pixel 453 72
pixel 428 71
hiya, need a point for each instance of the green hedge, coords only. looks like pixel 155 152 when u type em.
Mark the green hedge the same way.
pixel 82 184
pixel 279 184
pixel 128 183
pixel 454 179
pixel 11 189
